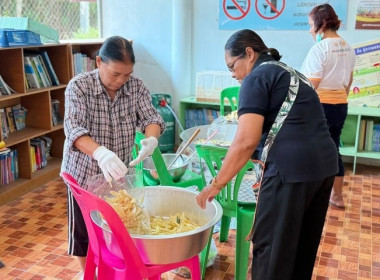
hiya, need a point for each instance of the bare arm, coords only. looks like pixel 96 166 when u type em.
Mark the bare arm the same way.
pixel 153 130
pixel 247 138
pixel 244 144
pixel 86 145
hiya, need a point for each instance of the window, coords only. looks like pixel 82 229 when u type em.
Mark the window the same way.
pixel 74 19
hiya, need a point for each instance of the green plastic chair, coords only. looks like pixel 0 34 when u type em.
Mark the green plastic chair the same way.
pixel 188 179
pixel 232 207
pixel 232 94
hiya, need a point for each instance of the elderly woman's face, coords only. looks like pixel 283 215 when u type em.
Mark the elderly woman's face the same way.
pixel 114 74
pixel 237 65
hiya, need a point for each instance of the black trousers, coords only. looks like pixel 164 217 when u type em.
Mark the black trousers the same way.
pixel 288 227
pixel 77 231
pixel 336 115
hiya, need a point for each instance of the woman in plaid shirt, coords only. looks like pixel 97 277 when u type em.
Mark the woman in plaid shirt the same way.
pixel 103 108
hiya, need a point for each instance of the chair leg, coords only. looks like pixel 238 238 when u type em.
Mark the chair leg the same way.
pixel 244 224
pixel 195 268
pixel 224 228
pixel 90 267
pixel 204 255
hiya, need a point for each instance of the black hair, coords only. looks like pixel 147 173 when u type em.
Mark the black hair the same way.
pixel 324 18
pixel 117 48
pixel 242 39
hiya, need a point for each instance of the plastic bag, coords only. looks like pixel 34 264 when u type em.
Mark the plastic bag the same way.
pixel 126 198
pixel 223 130
pixel 213 252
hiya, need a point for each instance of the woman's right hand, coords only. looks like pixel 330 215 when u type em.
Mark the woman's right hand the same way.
pixel 207 194
pixel 110 164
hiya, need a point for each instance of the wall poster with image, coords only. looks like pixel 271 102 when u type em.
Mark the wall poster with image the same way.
pixel 365 88
pixel 368 14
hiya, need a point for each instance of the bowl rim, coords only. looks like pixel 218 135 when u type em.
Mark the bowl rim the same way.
pixel 209 224
pixel 186 162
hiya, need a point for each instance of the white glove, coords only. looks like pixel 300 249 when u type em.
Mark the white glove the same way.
pixel 110 164
pixel 147 147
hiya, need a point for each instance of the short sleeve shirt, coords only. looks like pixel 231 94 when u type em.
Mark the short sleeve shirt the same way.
pixel 111 123
pixel 330 62
pixel 303 149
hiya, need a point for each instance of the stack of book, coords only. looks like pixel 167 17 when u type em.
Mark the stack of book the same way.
pixel 39 152
pixel 4 88
pixel 82 63
pixel 38 70
pixel 369 136
pixel 196 117
pixel 12 119
pixel 8 166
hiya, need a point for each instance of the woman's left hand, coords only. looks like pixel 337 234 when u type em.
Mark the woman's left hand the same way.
pixel 207 194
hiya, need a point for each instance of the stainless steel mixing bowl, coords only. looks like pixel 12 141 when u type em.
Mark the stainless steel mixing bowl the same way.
pixel 176 170
pixel 171 248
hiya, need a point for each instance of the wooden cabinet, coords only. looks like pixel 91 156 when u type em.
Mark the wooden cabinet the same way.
pixel 350 137
pixel 39 112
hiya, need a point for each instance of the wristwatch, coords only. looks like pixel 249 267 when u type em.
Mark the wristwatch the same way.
pixel 216 184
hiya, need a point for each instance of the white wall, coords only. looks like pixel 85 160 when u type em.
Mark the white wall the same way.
pixel 155 32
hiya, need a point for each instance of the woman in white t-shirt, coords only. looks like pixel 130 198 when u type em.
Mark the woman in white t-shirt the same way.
pixel 329 66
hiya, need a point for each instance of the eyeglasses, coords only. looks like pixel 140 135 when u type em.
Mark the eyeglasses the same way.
pixel 232 67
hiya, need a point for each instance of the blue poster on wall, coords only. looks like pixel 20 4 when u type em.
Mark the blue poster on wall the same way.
pixel 273 14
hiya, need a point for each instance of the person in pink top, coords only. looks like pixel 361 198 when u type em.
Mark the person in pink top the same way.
pixel 329 66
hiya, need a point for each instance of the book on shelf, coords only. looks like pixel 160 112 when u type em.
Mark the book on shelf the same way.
pixel 196 117
pixel 31 75
pixel 4 124
pixel 45 70
pixel 40 152
pixel 48 141
pixel 362 129
pixel 376 138
pixel 5 89
pixel 82 63
pixel 36 70
pixel 10 118
pixel 368 135
pixel 49 68
pixel 40 71
pixel 33 162
pixel 40 67
pixel 19 114
pixel 56 118
pixel 8 166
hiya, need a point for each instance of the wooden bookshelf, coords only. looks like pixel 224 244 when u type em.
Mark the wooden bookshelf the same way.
pixel 39 115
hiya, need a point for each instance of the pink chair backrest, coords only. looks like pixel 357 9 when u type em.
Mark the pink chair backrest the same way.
pixel 88 203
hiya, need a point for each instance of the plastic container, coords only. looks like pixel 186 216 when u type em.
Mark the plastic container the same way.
pixel 209 84
pixel 28 24
pixel 13 38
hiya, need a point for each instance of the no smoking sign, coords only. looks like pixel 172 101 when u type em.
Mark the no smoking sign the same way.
pixel 236 9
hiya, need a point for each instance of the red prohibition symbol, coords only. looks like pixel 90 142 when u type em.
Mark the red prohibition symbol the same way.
pixel 273 8
pixel 240 8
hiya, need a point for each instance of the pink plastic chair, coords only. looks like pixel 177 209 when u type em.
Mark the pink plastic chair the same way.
pixel 110 266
